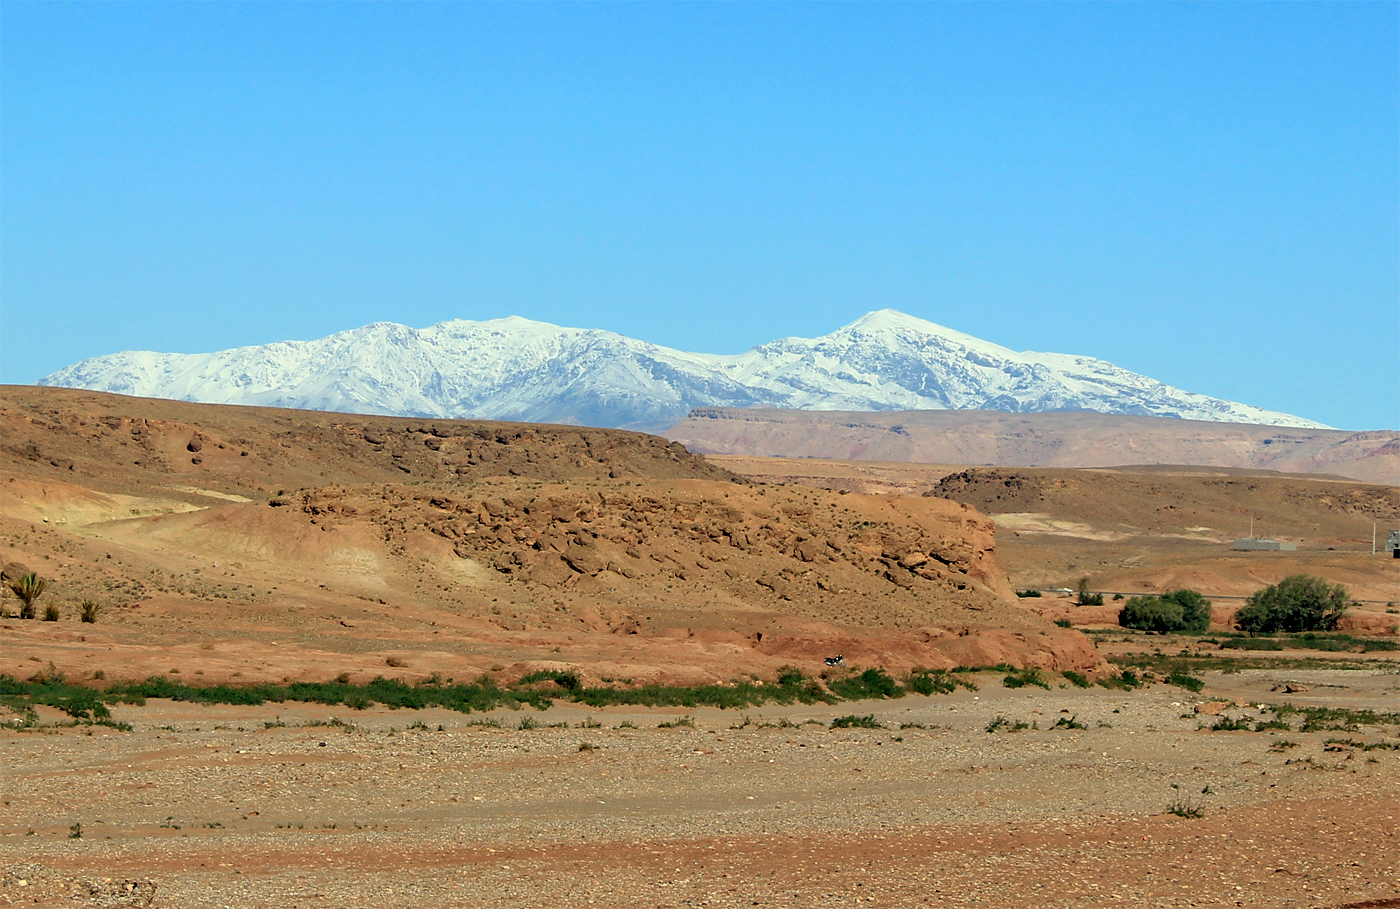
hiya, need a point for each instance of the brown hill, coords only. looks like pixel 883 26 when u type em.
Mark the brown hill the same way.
pixel 251 543
pixel 1038 440
pixel 1145 529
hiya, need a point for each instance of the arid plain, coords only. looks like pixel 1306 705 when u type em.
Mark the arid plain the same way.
pixel 242 545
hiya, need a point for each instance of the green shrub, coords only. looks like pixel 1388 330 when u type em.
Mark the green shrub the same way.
pixel 1189 810
pixel 1299 602
pixel 1024 594
pixel 1077 679
pixel 872 683
pixel 28 588
pixel 1024 677
pixel 1180 610
pixel 90 610
pixel 51 612
pixel 1149 613
pixel 569 681
pixel 856 722
pixel 1182 680
pixel 1063 623
pixel 1126 680
pixel 1085 597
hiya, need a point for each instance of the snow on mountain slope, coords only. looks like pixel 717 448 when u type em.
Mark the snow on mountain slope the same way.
pixel 517 369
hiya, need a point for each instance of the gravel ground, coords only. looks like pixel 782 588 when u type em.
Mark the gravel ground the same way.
pixel 285 806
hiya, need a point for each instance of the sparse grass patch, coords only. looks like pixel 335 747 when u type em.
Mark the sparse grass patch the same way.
pixel 1189 682
pixel 1077 679
pixel 867 721
pixel 1069 722
pixel 936 681
pixel 569 681
pixel 1362 746
pixel 1024 677
pixel 1187 809
pixel 1126 680
pixel 1336 719
pixel 872 683
pixel 1002 723
pixel 685 721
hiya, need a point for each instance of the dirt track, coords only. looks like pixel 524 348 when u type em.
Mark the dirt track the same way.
pixel 216 809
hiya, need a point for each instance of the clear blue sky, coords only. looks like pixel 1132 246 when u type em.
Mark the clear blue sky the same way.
pixel 1208 194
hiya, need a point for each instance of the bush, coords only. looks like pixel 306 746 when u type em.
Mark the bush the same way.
pixel 1023 594
pixel 872 683
pixel 1299 602
pixel 1085 597
pixel 1151 614
pixel 1180 610
pixel 856 722
pixel 90 610
pixel 1023 677
pixel 28 588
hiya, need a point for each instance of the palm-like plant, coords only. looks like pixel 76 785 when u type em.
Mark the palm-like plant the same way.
pixel 28 587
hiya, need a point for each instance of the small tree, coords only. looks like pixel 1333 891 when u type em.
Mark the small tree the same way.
pixel 28 587
pixel 1195 610
pixel 1180 610
pixel 1299 602
pixel 1150 613
pixel 1085 597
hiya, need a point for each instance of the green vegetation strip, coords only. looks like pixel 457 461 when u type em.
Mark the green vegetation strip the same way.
pixel 538 690
pixel 1195 663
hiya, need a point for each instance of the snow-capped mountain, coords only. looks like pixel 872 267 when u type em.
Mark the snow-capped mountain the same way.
pixel 517 369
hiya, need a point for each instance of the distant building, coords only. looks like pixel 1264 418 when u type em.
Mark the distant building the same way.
pixel 1392 543
pixel 1255 543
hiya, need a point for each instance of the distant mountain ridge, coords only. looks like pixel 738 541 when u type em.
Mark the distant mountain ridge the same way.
pixel 518 369
pixel 1038 440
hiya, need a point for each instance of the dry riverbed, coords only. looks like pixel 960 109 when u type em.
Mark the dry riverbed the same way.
pixel 298 805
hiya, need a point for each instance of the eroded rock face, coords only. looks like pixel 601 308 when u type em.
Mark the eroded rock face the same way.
pixel 403 547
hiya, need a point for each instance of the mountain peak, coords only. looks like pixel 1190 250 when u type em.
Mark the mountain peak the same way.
pixel 515 368
pixel 884 319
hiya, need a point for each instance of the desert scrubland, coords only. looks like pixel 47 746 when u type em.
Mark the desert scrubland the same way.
pixel 1045 766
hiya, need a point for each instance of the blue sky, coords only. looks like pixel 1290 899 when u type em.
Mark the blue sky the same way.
pixel 1208 194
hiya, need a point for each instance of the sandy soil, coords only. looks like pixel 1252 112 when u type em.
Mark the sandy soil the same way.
pixel 272 807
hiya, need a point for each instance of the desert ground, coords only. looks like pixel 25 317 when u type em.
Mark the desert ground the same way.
pixel 233 546
pixel 305 806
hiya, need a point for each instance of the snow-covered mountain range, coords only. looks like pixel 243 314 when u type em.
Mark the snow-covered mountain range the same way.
pixel 517 369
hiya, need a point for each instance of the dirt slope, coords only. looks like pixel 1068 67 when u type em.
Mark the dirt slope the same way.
pixel 242 543
pixel 1148 529
pixel 1038 440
